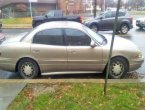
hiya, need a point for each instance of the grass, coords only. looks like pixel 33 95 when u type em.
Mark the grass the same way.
pixel 17 21
pixel 80 96
pixel 137 12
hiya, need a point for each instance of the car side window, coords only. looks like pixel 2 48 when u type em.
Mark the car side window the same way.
pixel 77 38
pixel 113 14
pixel 108 15
pixel 49 37
pixel 121 14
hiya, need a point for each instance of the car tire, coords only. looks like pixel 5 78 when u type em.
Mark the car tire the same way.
pixel 28 69
pixel 94 27
pixel 37 24
pixel 118 68
pixel 124 29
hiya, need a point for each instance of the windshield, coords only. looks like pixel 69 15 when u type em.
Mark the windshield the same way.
pixel 50 13
pixel 99 38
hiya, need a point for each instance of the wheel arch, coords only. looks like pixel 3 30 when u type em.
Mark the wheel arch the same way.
pixel 94 23
pixel 16 67
pixel 117 57
pixel 125 22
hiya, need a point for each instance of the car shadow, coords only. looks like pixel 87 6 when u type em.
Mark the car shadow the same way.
pixel 140 30
pixel 73 76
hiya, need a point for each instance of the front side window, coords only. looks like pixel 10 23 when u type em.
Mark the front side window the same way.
pixel 77 38
pixel 49 37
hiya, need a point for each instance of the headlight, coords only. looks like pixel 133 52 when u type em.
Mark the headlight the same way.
pixel 140 55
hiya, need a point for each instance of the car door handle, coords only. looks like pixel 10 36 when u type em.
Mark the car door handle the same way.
pixel 73 52
pixel 36 51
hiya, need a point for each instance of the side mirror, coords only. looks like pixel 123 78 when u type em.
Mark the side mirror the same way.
pixel 93 44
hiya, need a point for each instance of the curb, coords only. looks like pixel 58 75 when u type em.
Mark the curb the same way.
pixel 101 81
pixel 17 26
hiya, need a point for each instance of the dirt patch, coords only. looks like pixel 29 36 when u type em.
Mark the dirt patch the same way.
pixel 34 90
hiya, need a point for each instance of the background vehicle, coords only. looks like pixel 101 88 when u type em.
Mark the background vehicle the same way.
pixel 140 22
pixel 67 46
pixel 105 21
pixel 54 15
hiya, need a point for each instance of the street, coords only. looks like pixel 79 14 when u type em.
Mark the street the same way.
pixel 135 35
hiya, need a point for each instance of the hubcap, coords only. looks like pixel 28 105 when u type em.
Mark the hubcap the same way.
pixel 124 29
pixel 27 69
pixel 117 68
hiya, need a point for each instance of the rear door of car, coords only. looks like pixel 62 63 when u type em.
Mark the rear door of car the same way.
pixel 49 49
pixel 108 21
pixel 81 56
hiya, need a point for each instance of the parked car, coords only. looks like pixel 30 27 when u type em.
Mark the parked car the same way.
pixel 54 15
pixel 140 22
pixel 105 21
pixel 67 46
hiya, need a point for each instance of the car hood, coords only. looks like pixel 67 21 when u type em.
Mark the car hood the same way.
pixel 38 17
pixel 120 43
pixel 17 38
pixel 90 20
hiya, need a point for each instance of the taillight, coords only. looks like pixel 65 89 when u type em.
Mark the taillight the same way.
pixel 81 19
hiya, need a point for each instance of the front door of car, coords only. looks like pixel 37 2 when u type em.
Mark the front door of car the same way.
pixel 49 49
pixel 81 56
pixel 107 22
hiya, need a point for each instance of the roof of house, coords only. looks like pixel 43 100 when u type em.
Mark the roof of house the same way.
pixel 7 2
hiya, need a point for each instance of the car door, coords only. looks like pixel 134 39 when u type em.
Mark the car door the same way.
pixel 81 56
pixel 107 22
pixel 49 49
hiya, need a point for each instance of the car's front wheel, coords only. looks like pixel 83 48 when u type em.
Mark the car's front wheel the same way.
pixel 124 29
pixel 118 68
pixel 28 69
pixel 94 27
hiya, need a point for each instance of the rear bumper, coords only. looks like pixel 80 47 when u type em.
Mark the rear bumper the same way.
pixel 131 26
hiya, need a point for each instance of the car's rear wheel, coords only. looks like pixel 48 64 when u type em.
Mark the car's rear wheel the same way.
pixel 118 68
pixel 37 24
pixel 28 69
pixel 94 27
pixel 124 29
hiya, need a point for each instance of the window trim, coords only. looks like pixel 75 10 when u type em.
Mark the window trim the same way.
pixel 64 42
pixel 65 36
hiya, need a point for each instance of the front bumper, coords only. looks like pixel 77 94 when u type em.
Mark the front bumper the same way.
pixel 140 24
pixel 136 64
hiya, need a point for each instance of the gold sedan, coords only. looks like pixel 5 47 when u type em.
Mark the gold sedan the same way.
pixel 65 46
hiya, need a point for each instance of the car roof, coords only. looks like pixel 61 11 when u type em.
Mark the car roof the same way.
pixel 61 24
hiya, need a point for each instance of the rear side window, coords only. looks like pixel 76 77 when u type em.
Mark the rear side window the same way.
pixel 121 14
pixel 49 37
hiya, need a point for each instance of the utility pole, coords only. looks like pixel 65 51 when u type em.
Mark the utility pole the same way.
pixel 111 47
pixel 104 5
pixel 95 5
pixel 31 9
